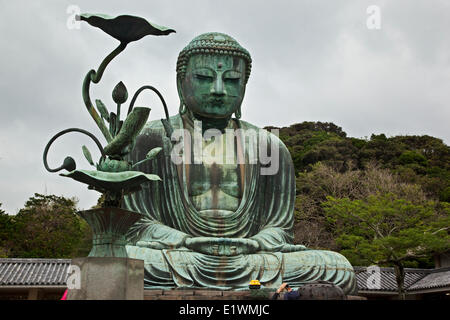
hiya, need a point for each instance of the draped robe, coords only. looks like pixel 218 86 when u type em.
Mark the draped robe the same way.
pixel 265 214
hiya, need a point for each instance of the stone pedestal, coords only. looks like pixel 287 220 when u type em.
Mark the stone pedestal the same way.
pixel 207 294
pixel 108 278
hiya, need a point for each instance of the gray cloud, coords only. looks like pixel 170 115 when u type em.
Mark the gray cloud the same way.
pixel 313 60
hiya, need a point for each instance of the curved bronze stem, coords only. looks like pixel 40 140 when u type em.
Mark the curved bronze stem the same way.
pixel 95 77
pixel 56 136
pixel 130 108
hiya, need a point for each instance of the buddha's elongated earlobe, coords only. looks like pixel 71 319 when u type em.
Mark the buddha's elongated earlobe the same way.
pixel 182 110
pixel 237 114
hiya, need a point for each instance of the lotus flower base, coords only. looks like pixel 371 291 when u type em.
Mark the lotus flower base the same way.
pixel 109 226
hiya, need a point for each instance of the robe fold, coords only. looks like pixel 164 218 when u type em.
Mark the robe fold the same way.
pixel 265 214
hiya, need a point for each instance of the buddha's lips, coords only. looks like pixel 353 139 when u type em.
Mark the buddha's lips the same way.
pixel 217 100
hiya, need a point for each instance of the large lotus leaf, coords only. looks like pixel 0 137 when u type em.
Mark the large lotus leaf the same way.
pixel 111 181
pixel 125 28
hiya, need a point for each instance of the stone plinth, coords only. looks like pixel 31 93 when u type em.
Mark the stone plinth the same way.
pixel 216 295
pixel 108 278
pixel 206 294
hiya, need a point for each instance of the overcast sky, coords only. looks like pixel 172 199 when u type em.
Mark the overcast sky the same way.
pixel 312 61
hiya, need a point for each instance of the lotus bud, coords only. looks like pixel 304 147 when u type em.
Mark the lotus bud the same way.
pixel 120 93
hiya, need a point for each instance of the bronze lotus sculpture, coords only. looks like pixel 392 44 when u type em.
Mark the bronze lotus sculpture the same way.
pixel 114 175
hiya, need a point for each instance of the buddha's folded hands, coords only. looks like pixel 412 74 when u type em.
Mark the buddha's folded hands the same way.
pixel 222 246
pixel 155 235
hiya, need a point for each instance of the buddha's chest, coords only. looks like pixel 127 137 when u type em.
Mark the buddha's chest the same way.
pixel 214 167
pixel 215 183
pixel 215 188
pixel 214 177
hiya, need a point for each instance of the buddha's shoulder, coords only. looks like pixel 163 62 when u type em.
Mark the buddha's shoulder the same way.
pixel 156 127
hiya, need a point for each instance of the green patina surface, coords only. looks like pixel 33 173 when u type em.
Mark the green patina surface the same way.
pixel 212 224
pixel 109 227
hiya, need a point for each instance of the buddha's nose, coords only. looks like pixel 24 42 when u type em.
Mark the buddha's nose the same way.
pixel 218 88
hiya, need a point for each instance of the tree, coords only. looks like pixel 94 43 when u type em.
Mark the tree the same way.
pixel 6 232
pixel 48 227
pixel 385 229
pixel 310 142
pixel 421 160
pixel 313 187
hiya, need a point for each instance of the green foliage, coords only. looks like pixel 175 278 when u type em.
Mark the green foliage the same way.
pixel 314 186
pixel 310 142
pixel 421 160
pixel 389 186
pixel 385 228
pixel 412 157
pixel 445 195
pixel 47 227
pixel 6 231
pixel 314 229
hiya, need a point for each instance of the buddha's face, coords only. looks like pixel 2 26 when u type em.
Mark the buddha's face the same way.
pixel 214 85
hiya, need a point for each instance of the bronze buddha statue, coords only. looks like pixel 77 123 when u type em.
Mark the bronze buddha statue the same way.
pixel 224 211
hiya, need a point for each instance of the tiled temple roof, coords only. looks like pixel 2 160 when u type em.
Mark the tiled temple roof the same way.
pixel 415 279
pixel 438 278
pixel 33 272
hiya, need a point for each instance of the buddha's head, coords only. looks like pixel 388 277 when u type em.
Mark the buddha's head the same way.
pixel 212 72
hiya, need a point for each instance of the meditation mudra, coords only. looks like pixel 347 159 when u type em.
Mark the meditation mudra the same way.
pixel 224 211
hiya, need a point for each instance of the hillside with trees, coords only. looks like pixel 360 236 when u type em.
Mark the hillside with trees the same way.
pixel 343 181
